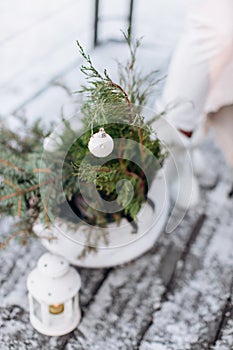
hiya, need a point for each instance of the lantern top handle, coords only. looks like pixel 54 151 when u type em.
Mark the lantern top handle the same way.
pixel 53 266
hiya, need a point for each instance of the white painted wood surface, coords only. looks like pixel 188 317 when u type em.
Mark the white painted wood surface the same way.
pixel 38 43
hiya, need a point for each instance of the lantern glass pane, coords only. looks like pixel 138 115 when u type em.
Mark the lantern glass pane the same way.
pixel 37 309
pixel 56 309
pixel 73 303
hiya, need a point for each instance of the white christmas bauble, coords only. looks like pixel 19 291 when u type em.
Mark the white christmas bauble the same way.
pixel 101 144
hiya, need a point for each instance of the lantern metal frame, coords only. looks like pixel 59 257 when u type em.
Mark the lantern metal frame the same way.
pixel 54 284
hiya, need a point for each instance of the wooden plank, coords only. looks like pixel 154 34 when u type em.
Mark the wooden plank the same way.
pixel 46 52
pixel 122 309
pixel 224 339
pixel 210 178
pixel 16 262
pixel 43 42
pixel 38 100
pixel 17 334
pixel 17 18
pixel 191 314
pixel 92 280
pixel 50 105
pixel 54 98
pixel 16 331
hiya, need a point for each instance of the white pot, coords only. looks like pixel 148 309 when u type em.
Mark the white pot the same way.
pixel 123 245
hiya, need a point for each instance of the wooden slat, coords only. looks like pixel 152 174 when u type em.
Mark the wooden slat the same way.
pixel 92 280
pixel 31 60
pixel 44 42
pixel 224 339
pixel 47 101
pixel 19 17
pixel 123 307
pixel 191 315
pixel 17 333
pixel 16 262
pixel 209 179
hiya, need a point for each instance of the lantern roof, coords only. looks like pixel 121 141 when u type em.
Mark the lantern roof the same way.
pixel 53 265
pixel 53 281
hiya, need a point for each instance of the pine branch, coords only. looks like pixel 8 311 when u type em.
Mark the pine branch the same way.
pixel 89 71
pixel 11 165
pixel 107 103
pixel 7 240
pixel 101 88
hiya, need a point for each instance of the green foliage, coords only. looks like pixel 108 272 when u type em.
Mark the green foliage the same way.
pixel 122 168
pixel 137 85
pixel 114 106
pixel 20 155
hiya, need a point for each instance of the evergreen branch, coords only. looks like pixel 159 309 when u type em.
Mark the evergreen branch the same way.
pixel 19 206
pixel 155 118
pixel 10 184
pixel 100 89
pixel 121 147
pixel 122 90
pixel 24 191
pixel 7 241
pixel 38 170
pixel 45 203
pixel 131 174
pixel 141 141
pixel 11 165
pixel 46 216
pixel 126 98
pixel 45 237
pixel 109 104
pixel 90 71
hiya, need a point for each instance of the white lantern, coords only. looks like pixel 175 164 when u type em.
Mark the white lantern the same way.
pixel 54 296
pixel 101 144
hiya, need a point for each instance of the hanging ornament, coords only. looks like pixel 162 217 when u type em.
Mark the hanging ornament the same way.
pixel 101 144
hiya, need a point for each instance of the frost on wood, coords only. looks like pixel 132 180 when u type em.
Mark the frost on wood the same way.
pixel 191 316
pixel 16 333
pixel 226 341
pixel 123 308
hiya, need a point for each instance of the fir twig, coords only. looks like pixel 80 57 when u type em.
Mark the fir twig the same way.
pixel 109 104
pixel 11 165
pixel 7 240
